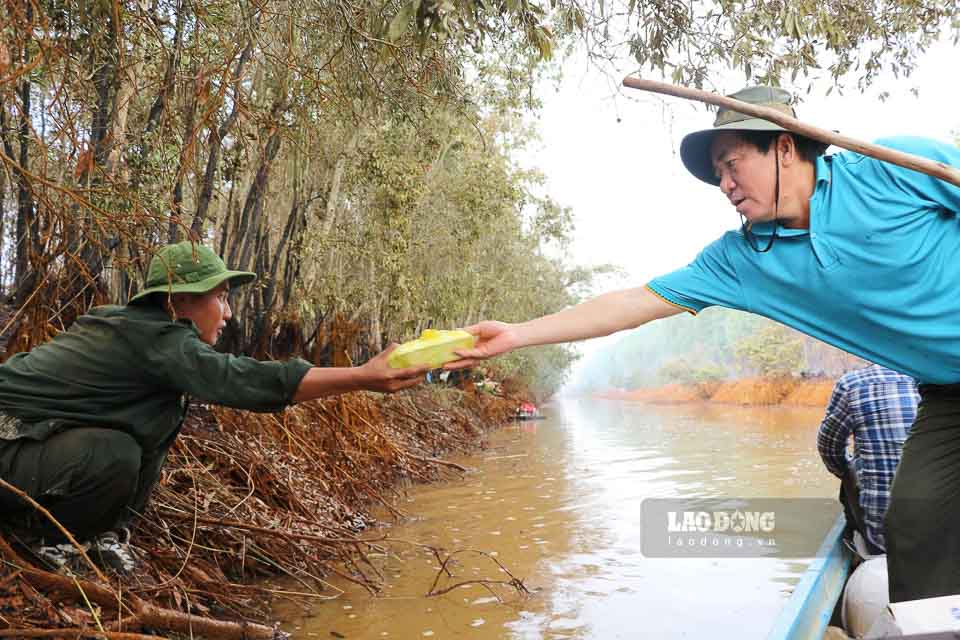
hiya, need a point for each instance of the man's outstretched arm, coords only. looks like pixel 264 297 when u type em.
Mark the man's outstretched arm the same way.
pixel 375 375
pixel 601 316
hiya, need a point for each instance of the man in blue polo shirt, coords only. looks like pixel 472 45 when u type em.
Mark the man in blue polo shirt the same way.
pixel 851 250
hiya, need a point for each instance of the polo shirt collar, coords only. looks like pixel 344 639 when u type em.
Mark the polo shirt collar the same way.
pixel 824 174
pixel 765 229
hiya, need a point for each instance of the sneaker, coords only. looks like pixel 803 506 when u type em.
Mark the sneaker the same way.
pixel 113 549
pixel 60 557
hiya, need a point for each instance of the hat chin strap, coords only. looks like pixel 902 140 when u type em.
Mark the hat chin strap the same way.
pixel 745 226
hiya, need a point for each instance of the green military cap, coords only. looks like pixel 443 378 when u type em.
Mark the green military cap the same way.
pixel 186 267
pixel 695 147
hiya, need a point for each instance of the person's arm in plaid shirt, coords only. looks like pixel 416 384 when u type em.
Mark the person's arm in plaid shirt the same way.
pixel 834 432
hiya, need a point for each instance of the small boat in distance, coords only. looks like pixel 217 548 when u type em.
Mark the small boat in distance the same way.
pixel 528 411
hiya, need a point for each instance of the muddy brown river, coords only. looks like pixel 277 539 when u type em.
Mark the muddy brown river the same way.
pixel 557 502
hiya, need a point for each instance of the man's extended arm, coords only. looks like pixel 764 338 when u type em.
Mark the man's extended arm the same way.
pixel 601 316
pixel 179 359
pixel 375 375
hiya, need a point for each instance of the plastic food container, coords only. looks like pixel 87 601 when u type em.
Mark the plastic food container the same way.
pixel 433 347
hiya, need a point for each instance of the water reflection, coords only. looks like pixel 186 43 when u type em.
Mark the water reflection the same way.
pixel 558 503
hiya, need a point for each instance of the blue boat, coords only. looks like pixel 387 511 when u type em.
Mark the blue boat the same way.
pixel 808 611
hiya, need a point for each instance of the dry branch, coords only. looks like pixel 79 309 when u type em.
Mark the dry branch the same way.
pixel 143 612
pixel 514 582
pixel 33 503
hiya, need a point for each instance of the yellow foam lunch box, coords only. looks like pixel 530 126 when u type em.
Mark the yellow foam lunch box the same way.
pixel 434 347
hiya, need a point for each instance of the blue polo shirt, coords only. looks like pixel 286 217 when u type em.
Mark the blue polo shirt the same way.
pixel 877 274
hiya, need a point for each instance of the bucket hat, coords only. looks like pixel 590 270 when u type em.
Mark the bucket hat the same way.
pixel 695 147
pixel 186 267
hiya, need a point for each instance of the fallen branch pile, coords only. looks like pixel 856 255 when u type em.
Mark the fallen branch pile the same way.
pixel 246 496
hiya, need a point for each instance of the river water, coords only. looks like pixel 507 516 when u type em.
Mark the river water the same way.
pixel 557 502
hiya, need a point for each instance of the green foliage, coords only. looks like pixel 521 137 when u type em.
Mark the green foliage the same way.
pixel 460 236
pixel 683 371
pixel 636 360
pixel 768 41
pixel 543 369
pixel 717 344
pixel 772 351
pixel 773 42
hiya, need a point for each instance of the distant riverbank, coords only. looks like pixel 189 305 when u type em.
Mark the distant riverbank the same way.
pixel 798 392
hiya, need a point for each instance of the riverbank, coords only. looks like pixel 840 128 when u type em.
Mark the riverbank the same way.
pixel 246 496
pixel 796 392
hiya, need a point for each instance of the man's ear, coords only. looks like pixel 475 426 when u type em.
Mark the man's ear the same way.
pixel 175 304
pixel 786 149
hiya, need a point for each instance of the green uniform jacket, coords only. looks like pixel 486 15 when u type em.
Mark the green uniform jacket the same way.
pixel 128 368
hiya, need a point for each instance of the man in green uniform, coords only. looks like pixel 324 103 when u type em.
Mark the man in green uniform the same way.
pixel 87 419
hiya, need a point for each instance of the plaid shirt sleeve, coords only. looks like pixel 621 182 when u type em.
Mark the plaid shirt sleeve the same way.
pixel 835 431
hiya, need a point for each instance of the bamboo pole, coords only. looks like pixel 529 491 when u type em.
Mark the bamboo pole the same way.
pixel 926 166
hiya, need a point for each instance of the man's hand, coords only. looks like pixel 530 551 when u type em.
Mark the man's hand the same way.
pixel 377 375
pixel 493 338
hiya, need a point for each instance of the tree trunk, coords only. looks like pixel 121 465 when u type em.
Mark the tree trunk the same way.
pixel 23 280
pixel 95 250
pixel 376 328
pixel 189 135
pixel 251 228
pixel 176 214
pixel 106 82
pixel 159 105
pixel 3 218
pixel 228 217
pixel 253 207
pixel 8 152
pixel 215 142
pixel 288 231
pixel 126 91
pixel 333 194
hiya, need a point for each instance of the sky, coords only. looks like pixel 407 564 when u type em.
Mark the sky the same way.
pixel 614 159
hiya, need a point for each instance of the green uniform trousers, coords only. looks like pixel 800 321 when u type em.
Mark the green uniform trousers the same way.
pixel 923 520
pixel 91 480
